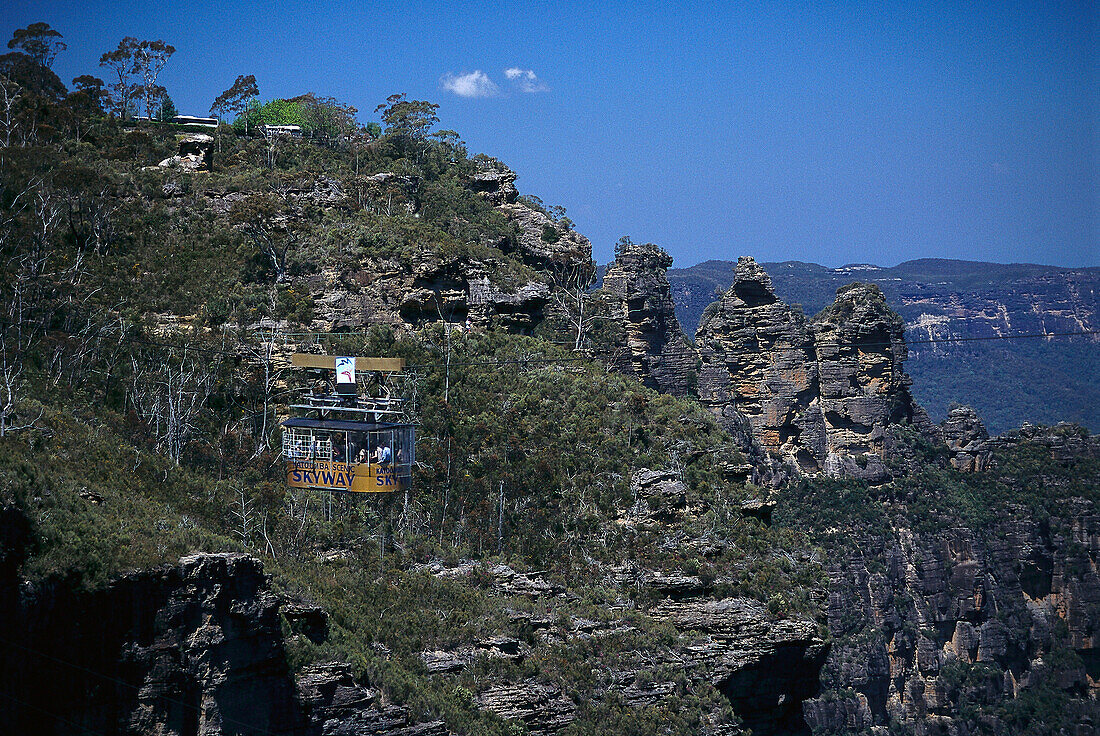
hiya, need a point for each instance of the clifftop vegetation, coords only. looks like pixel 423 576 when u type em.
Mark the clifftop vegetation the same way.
pixel 569 531
pixel 142 386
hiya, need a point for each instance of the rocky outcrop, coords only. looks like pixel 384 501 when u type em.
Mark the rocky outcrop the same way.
pixel 483 283
pixel 541 707
pixel 764 667
pixel 945 305
pixel 194 648
pixel 660 497
pixel 863 388
pixel 500 577
pixel 196 151
pixel 335 704
pixel 448 288
pixel 545 243
pixel 817 395
pixel 758 367
pixel 548 245
pixel 1066 442
pixel 965 436
pixel 495 182
pixel 657 351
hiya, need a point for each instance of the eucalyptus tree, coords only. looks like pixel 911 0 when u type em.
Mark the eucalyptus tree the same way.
pixel 137 65
pixel 38 41
pixel 236 98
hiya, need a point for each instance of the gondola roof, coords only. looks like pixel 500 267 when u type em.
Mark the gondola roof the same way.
pixel 340 425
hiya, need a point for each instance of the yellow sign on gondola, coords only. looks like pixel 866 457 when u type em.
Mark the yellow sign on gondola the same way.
pixel 334 476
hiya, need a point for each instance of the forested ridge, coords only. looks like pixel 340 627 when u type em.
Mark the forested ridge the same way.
pixel 578 553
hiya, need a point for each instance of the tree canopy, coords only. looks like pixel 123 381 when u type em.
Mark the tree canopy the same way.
pixel 236 98
pixel 137 65
pixel 38 41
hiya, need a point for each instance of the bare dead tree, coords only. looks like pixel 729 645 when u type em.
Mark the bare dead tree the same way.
pixel 10 389
pixel 243 515
pixel 263 356
pixel 569 293
pixel 10 92
pixel 169 398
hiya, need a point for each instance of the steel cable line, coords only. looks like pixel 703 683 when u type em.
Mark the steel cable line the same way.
pixel 240 353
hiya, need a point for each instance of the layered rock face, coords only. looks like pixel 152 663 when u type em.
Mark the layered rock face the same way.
pixel 657 351
pixel 929 624
pixel 541 242
pixel 190 649
pixel 863 387
pixel 194 649
pixel 941 301
pixel 765 668
pixel 482 282
pixel 820 395
pixel 759 367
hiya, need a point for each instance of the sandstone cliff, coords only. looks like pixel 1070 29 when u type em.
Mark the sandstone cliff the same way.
pixel 818 395
pixel 657 351
pixel 966 437
pixel 498 274
pixel 946 300
pixel 191 649
pixel 966 603
pixel 197 649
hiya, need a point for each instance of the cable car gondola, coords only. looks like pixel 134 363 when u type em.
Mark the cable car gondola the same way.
pixel 346 440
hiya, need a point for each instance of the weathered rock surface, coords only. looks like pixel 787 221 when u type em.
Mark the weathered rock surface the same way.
pixel 944 300
pixel 454 287
pixel 543 243
pixel 336 705
pixel 657 351
pixel 541 707
pixel 195 153
pixel 860 350
pixel 502 578
pixel 818 395
pixel 913 610
pixel 965 436
pixel 194 649
pixel 660 497
pixel 1064 441
pixel 759 368
pixel 765 667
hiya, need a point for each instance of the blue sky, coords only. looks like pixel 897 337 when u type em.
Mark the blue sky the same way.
pixel 832 133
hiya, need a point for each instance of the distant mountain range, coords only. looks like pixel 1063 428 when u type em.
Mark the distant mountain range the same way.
pixel 1039 380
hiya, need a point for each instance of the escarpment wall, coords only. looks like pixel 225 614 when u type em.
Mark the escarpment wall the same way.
pixel 194 648
pixel 818 394
pixel 503 278
pixel 928 626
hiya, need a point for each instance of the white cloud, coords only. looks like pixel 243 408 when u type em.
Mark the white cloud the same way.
pixel 525 79
pixel 474 84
